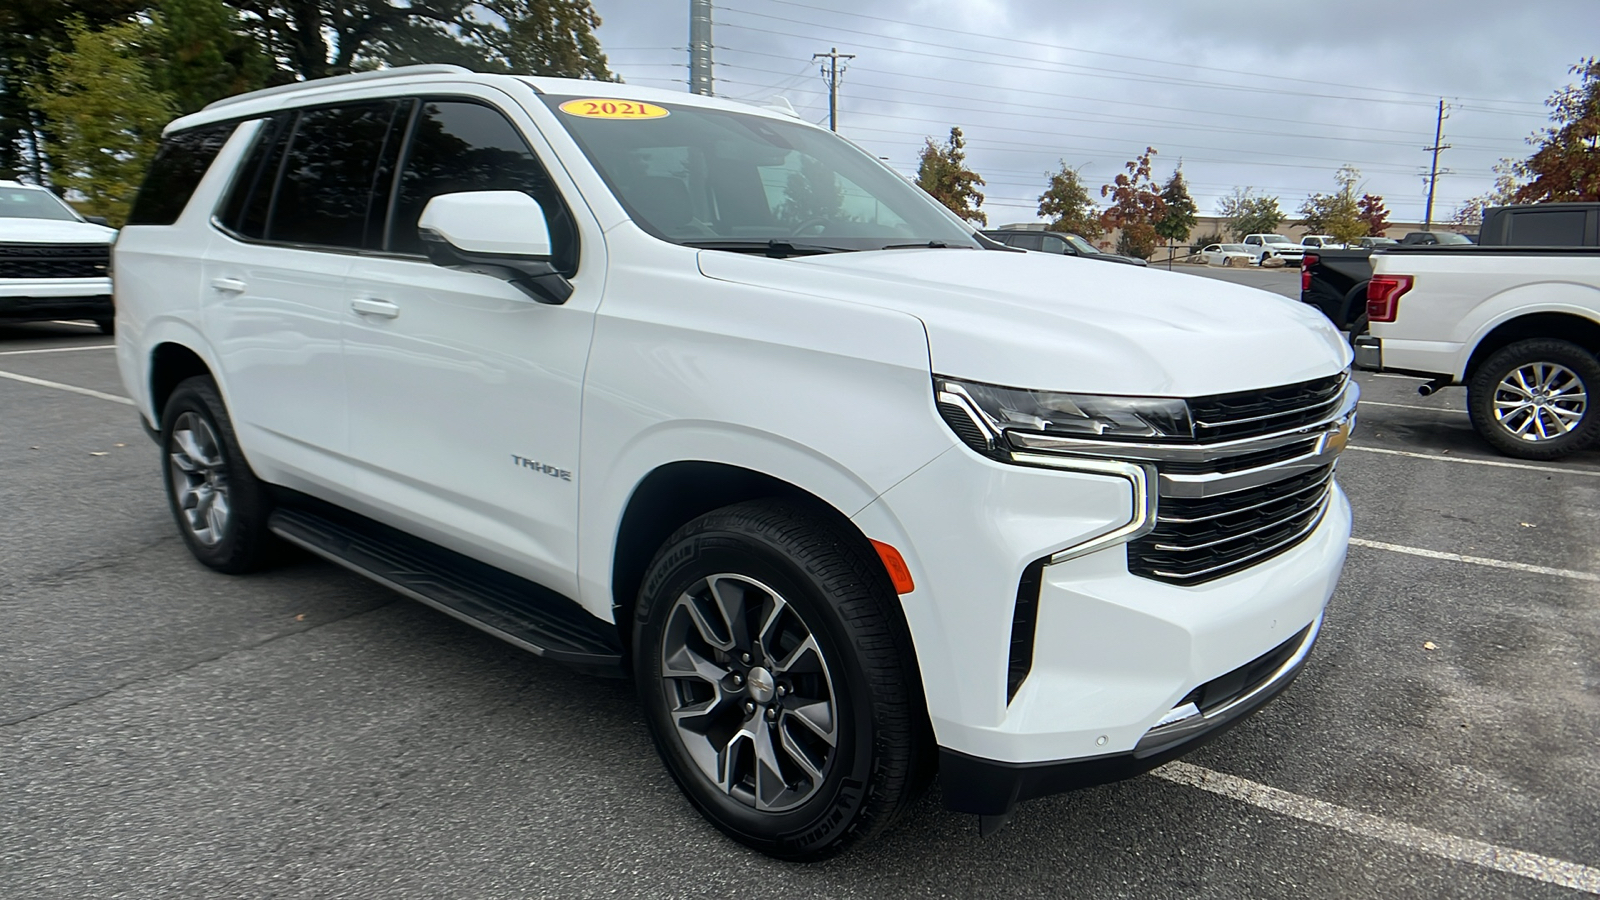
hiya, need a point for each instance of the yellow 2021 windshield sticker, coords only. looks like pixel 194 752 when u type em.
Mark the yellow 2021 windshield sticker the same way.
pixel 597 108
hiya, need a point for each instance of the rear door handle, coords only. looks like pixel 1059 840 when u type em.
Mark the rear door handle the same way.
pixel 368 307
pixel 228 285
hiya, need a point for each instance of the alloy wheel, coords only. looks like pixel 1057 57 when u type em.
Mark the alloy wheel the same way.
pixel 199 478
pixel 1540 401
pixel 749 692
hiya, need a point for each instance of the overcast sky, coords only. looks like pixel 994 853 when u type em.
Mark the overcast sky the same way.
pixel 1270 95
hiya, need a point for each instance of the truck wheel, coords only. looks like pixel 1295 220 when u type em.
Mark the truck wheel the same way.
pixel 1358 328
pixel 778 679
pixel 1531 399
pixel 219 504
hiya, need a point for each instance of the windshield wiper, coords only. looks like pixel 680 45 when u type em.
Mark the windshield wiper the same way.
pixel 777 249
pixel 927 245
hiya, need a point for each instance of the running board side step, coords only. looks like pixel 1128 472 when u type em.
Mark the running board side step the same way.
pixel 511 608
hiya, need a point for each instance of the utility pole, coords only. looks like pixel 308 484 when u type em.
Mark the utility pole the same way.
pixel 1433 169
pixel 831 73
pixel 700 47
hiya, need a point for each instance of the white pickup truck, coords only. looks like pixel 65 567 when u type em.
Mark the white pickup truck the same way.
pixel 1519 326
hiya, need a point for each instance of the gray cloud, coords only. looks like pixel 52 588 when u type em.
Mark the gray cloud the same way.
pixel 1269 95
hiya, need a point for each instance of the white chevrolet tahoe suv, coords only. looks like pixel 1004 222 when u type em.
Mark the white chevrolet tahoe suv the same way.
pixel 54 263
pixel 705 396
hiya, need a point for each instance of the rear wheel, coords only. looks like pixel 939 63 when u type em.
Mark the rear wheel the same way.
pixel 1531 399
pixel 778 680
pixel 220 506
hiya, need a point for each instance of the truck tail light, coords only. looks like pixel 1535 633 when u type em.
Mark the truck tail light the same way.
pixel 1383 296
pixel 1306 262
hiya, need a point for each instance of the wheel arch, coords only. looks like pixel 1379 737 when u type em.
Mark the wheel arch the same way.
pixel 1559 325
pixel 171 363
pixel 674 493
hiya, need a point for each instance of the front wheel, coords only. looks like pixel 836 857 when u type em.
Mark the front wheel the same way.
pixel 778 681
pixel 1531 399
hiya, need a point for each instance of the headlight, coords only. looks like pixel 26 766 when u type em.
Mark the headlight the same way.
pixel 983 413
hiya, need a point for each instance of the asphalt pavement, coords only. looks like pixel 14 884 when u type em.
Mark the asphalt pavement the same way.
pixel 167 731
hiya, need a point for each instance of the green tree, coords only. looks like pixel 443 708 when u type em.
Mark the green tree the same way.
pixel 546 37
pixel 1181 214
pixel 203 54
pixel 106 113
pixel 30 30
pixel 1339 213
pixel 1566 165
pixel 1136 207
pixel 1066 203
pixel 318 38
pixel 943 173
pixel 1373 214
pixel 1244 212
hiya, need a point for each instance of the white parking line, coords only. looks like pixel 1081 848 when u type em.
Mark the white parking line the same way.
pixel 1595 473
pixel 57 349
pixel 1414 406
pixel 1476 560
pixel 1423 840
pixel 25 379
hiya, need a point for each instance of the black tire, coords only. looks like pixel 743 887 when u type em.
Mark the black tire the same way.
pixel 1486 386
pixel 106 326
pixel 882 756
pixel 238 541
pixel 1358 328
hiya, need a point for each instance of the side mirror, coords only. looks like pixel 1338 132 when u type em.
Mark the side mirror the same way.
pixel 500 233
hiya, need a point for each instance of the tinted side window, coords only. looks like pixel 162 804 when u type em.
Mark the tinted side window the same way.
pixel 1026 241
pixel 461 146
pixel 1546 228
pixel 1056 245
pixel 329 174
pixel 250 196
pixel 175 172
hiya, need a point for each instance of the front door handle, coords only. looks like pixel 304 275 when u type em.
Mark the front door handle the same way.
pixel 228 285
pixel 366 306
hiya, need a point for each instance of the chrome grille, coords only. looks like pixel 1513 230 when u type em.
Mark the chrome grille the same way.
pixel 1199 539
pixel 54 260
pixel 1223 417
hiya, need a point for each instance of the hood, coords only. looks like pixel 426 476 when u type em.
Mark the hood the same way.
pixel 53 231
pixel 1047 322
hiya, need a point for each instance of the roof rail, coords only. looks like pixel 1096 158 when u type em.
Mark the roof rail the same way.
pixel 432 69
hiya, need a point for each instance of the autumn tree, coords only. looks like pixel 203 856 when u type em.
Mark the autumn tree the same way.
pixel 1135 207
pixel 1470 212
pixel 1566 165
pixel 1066 203
pixel 1245 212
pixel 1374 216
pixel 943 173
pixel 1181 214
pixel 106 114
pixel 1339 213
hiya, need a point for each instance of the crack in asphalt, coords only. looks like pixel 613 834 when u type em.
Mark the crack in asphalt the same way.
pixel 144 679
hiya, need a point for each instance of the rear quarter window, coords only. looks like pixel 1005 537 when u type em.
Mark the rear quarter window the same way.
pixel 180 163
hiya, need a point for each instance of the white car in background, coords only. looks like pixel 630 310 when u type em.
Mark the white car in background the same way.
pixel 1227 255
pixel 1321 242
pixel 54 263
pixel 1263 247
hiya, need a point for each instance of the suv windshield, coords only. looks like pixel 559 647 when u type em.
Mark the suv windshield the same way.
pixel 33 203
pixel 1081 245
pixel 710 178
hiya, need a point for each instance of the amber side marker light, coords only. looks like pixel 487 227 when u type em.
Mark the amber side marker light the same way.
pixel 899 572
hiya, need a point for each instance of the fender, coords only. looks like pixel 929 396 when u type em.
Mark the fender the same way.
pixel 1565 298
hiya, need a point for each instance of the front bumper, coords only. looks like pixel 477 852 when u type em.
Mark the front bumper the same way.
pixel 29 299
pixel 988 787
